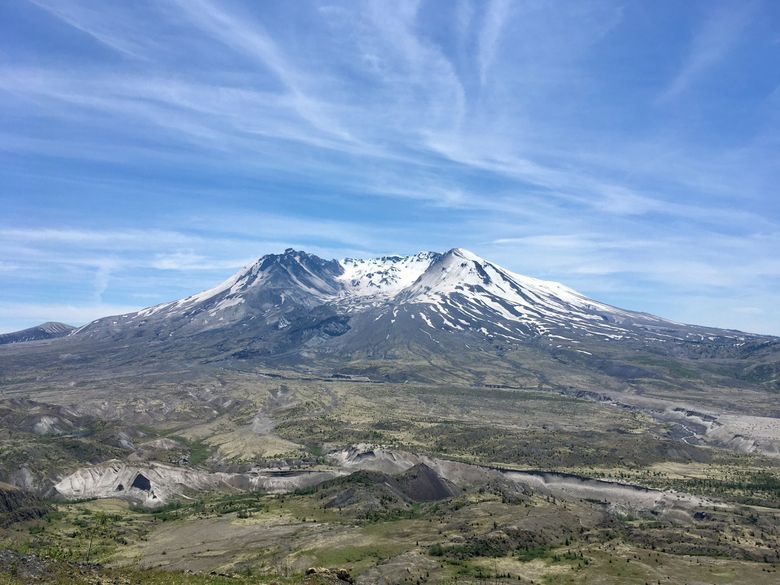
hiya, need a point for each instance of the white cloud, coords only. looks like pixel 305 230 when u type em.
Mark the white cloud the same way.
pixel 190 260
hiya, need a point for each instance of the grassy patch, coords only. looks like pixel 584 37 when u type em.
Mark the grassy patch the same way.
pixel 199 450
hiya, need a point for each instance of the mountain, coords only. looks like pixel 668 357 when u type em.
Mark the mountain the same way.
pixel 47 330
pixel 409 315
pixel 427 296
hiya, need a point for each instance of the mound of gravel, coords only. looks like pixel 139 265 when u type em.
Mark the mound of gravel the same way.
pixel 368 491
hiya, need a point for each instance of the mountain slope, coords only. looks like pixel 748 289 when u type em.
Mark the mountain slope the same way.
pixel 48 330
pixel 461 290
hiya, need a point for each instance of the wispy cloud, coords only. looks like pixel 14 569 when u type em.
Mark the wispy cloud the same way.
pixel 92 22
pixel 191 260
pixel 718 34
pixel 490 37
pixel 236 32
pixel 102 276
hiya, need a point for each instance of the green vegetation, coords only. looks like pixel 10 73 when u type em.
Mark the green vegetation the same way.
pixel 487 532
pixel 670 366
pixel 199 451
pixel 259 538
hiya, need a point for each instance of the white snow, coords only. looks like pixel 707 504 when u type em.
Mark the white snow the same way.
pixel 425 318
pixel 383 277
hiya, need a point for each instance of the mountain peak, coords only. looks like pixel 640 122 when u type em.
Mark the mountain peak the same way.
pixel 464 253
pixel 56 327
pixel 291 255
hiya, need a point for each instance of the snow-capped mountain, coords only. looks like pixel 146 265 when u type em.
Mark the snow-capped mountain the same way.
pixel 428 316
pixel 298 301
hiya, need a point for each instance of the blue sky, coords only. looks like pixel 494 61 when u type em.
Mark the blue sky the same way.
pixel 628 149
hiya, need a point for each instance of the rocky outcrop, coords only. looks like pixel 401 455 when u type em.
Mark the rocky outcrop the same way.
pixel 325 575
pixel 154 484
pixel 17 505
pixel 423 484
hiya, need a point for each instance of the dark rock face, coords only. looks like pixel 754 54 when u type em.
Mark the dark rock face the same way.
pixel 17 505
pixel 142 482
pixel 423 484
pixel 27 568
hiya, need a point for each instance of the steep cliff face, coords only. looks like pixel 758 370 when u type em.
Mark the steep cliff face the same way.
pixel 17 505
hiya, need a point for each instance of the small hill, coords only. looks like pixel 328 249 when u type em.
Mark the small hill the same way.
pixel 48 330
pixel 423 484
pixel 370 492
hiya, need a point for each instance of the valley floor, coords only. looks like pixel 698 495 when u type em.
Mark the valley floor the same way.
pixel 254 538
pixel 470 485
